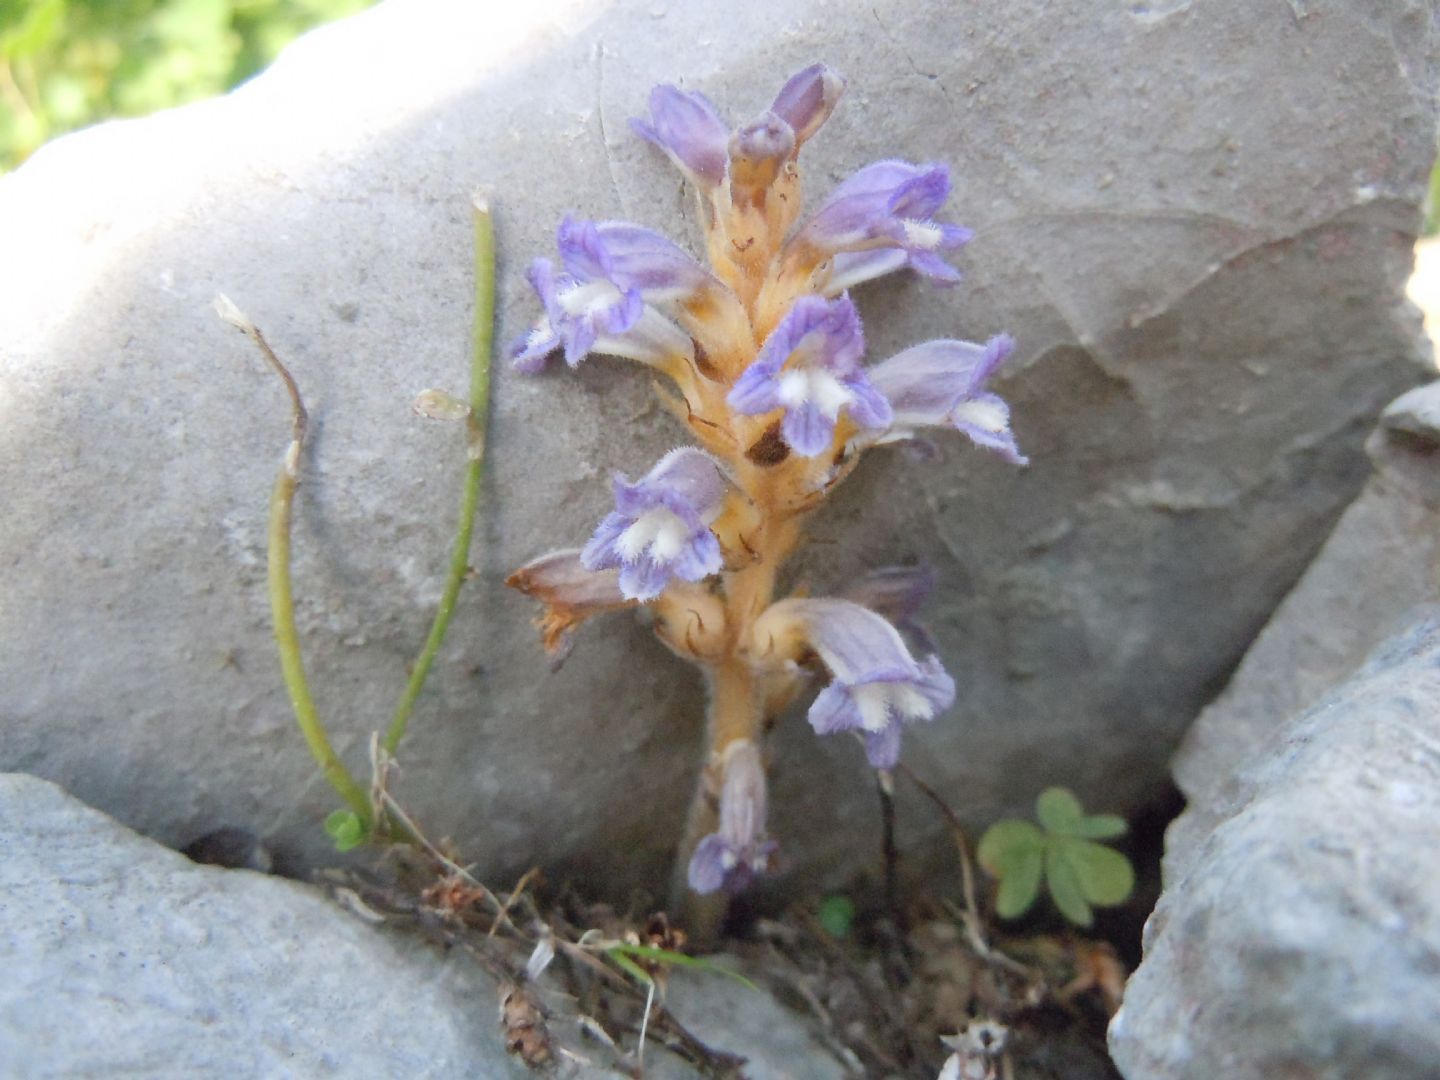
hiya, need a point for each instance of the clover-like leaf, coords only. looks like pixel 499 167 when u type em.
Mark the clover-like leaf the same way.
pixel 1102 826
pixel 1065 887
pixel 1079 873
pixel 1105 876
pixel 345 829
pixel 1060 811
pixel 1014 853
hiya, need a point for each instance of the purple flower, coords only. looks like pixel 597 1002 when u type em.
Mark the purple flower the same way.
pixel 687 126
pixel 807 100
pixel 942 384
pixel 877 686
pixel 617 277
pixel 632 259
pixel 732 858
pixel 880 220
pixel 659 528
pixel 810 367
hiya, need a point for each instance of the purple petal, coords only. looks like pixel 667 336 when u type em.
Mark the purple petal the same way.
pixel 600 553
pixel 807 430
pixel 631 257
pixel 698 559
pixel 868 408
pixel 707 865
pixel 807 99
pixel 644 579
pixel 688 128
pixel 755 391
pixel 529 353
pixel 833 710
pixel 882 748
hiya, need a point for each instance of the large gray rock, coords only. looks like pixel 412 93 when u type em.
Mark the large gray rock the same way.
pixel 1377 565
pixel 1303 937
pixel 124 958
pixel 1195 219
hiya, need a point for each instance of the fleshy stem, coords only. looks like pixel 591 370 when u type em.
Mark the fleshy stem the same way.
pixel 476 422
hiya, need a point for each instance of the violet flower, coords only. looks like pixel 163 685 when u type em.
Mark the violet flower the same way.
pixel 617 279
pixel 810 367
pixel 732 858
pixel 877 687
pixel 688 127
pixel 880 220
pixel 659 529
pixel 942 384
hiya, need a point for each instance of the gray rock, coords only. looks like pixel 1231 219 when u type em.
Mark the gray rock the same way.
pixel 1195 219
pixel 1303 938
pixel 1380 561
pixel 123 958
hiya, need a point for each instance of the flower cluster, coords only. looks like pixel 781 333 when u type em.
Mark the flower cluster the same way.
pixel 766 352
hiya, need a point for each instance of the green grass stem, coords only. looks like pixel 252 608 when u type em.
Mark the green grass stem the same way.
pixel 470 491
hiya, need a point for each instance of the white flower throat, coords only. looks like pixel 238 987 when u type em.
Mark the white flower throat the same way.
pixel 986 415
pixel 879 701
pixel 816 386
pixel 659 531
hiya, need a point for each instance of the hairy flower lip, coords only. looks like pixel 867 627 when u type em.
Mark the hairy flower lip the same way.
pixel 879 220
pixel 877 687
pixel 659 529
pixel 810 367
pixel 942 384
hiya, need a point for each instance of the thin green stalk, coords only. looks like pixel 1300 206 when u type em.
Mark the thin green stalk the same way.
pixel 282 603
pixel 470 492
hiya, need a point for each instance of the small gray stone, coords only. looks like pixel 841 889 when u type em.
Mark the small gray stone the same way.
pixel 1303 936
pixel 1416 413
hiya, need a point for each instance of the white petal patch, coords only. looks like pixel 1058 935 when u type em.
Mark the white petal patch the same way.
pixel 588 298
pixel 815 385
pixel 985 415
pixel 922 235
pixel 878 701
pixel 659 531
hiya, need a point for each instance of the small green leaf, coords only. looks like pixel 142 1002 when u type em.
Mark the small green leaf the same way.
pixel 621 952
pixel 345 828
pixel 1059 811
pixel 837 914
pixel 625 964
pixel 1065 887
pixel 1020 876
pixel 1105 875
pixel 1102 826
pixel 1007 840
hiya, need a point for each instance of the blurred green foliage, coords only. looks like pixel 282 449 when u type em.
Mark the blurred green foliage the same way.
pixel 68 63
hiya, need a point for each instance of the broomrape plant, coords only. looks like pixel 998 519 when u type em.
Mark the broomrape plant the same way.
pixel 765 352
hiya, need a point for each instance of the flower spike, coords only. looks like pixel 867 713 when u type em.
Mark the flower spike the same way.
pixel 659 529
pixel 942 384
pixel 810 367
